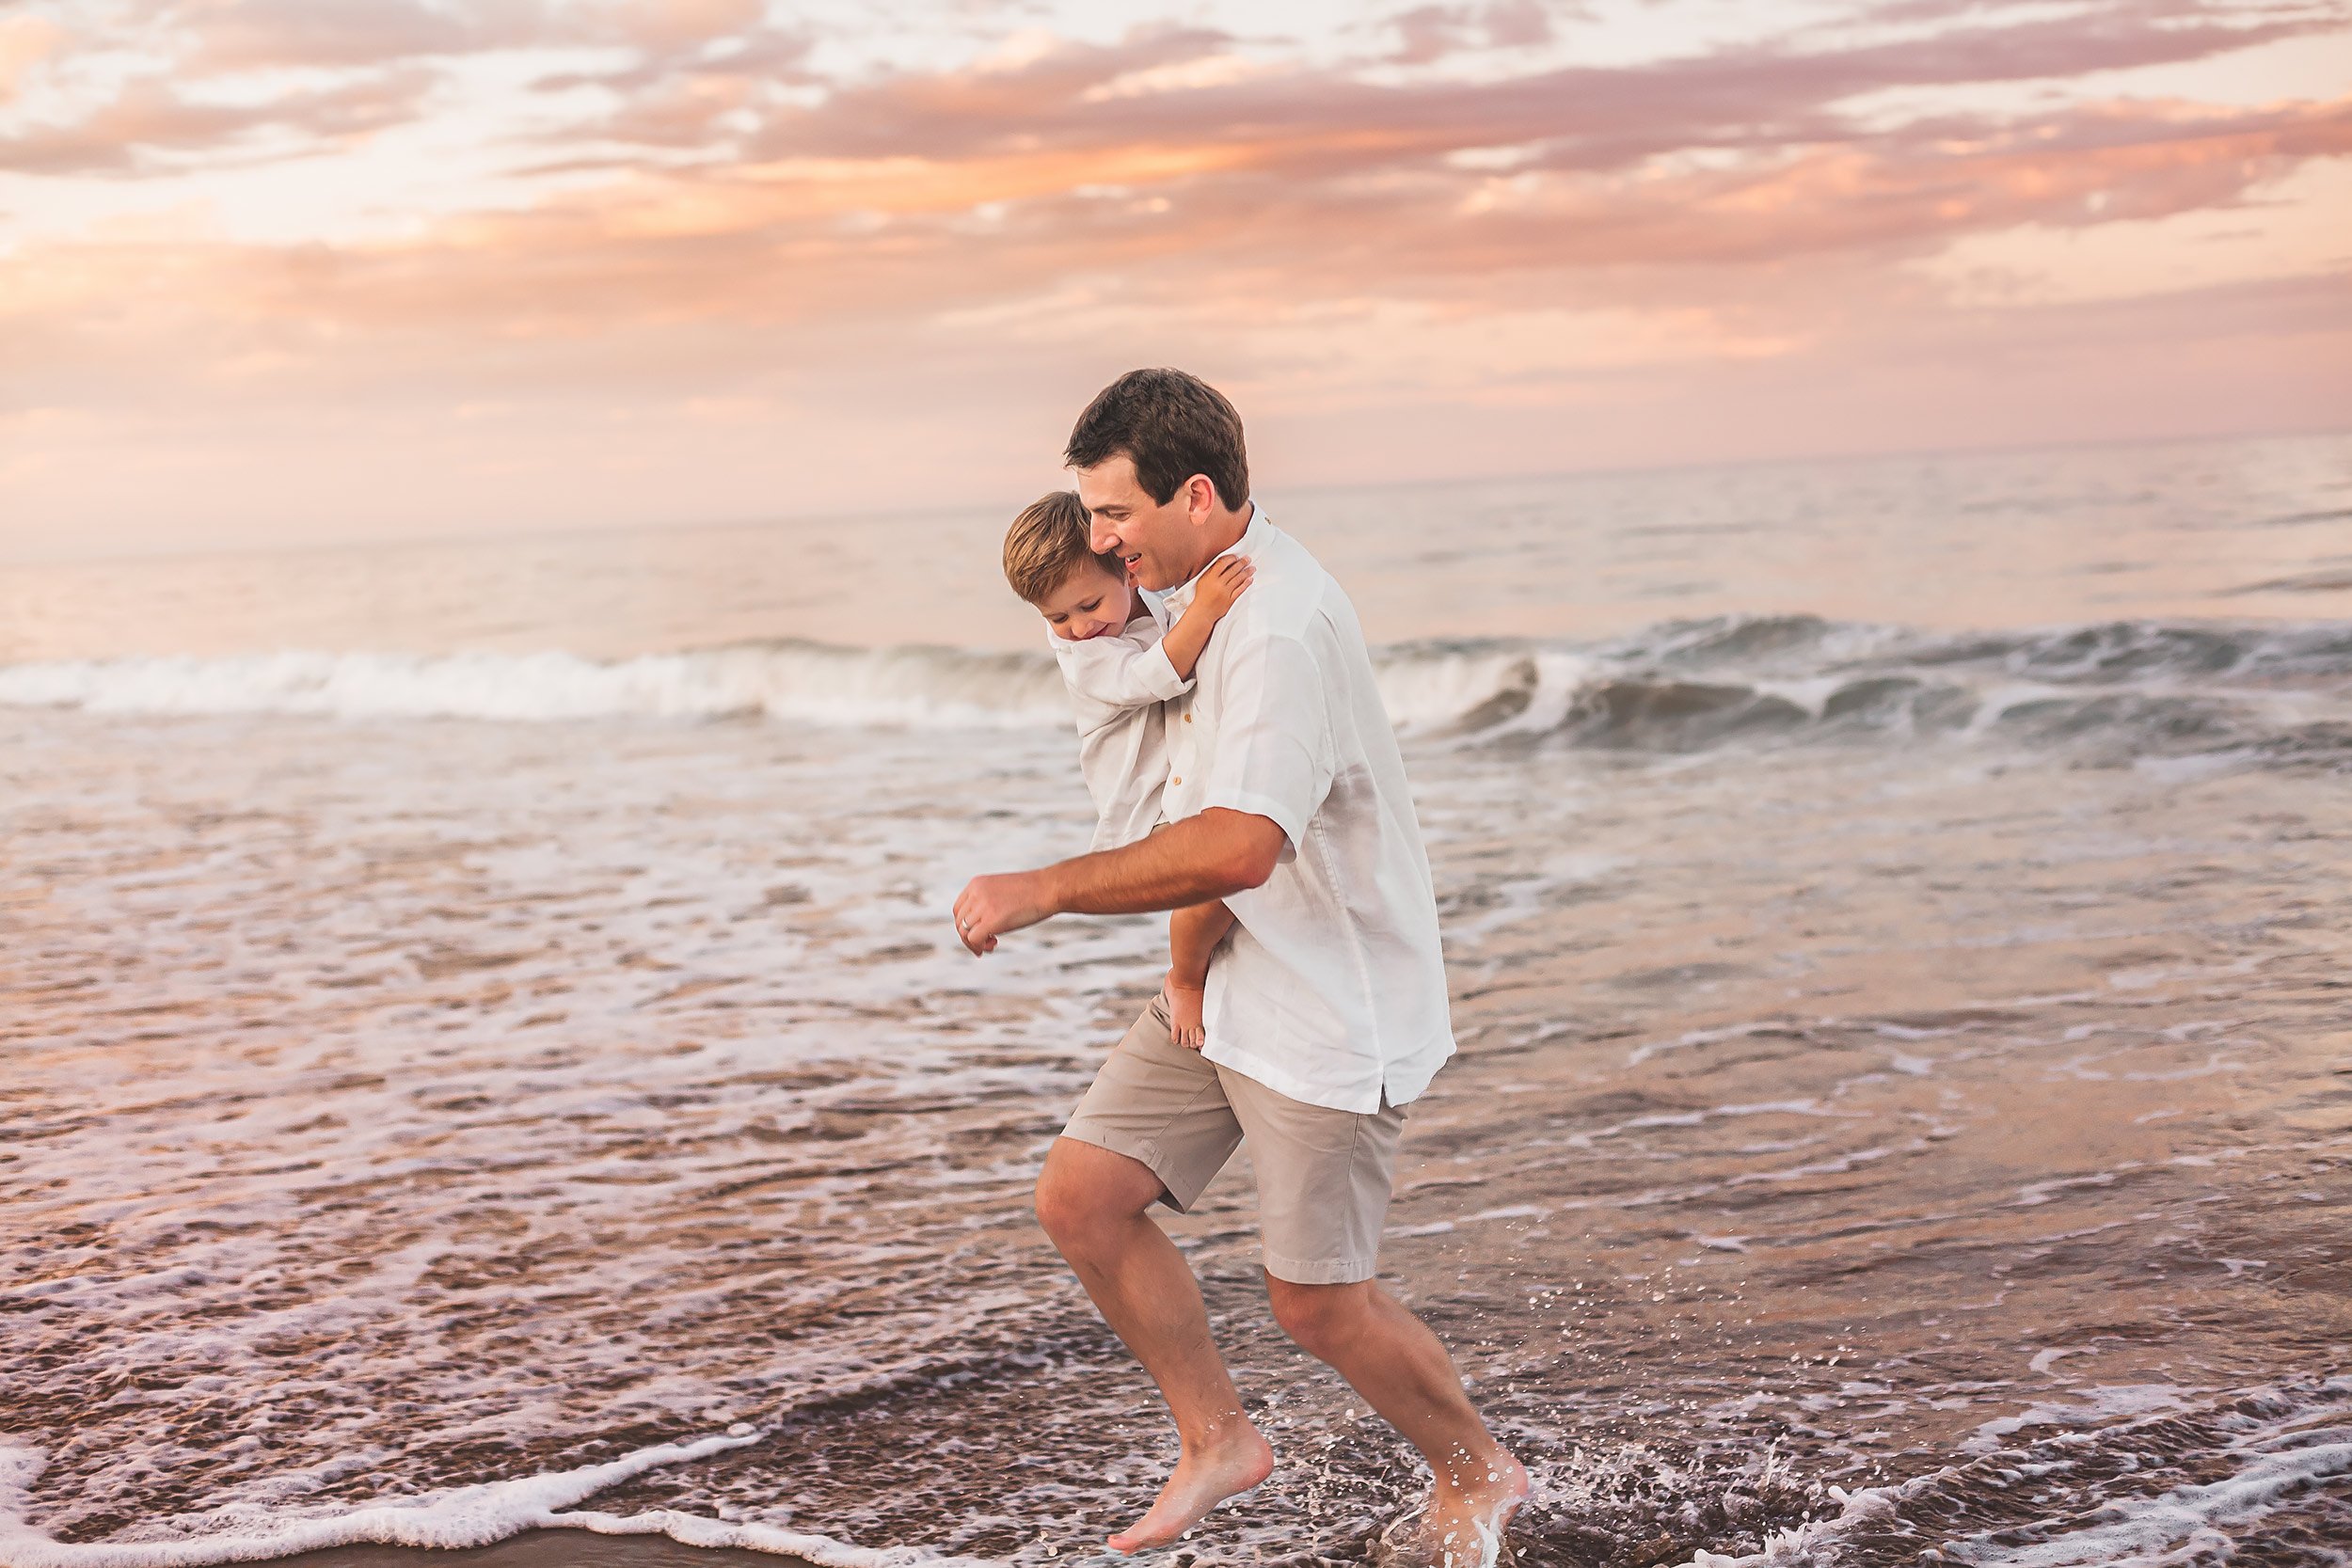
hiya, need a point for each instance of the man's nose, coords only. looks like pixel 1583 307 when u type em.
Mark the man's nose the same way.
pixel 1101 538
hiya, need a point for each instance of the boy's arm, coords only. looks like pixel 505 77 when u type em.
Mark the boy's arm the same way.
pixel 1119 674
pixel 1220 585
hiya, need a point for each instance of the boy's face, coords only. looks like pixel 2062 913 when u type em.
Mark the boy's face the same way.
pixel 1091 603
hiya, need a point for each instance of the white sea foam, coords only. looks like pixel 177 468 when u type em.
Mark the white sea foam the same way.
pixel 2090 1404
pixel 926 687
pixel 1440 687
pixel 915 687
pixel 2188 1524
pixel 2283 1454
pixel 461 1516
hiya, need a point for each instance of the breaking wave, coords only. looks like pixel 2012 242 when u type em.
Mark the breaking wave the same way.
pixel 2143 687
pixel 806 681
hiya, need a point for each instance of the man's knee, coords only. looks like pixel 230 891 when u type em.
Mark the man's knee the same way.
pixel 1084 1189
pixel 1321 1318
pixel 1062 1206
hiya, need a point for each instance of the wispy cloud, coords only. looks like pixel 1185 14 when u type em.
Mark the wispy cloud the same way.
pixel 704 195
pixel 151 123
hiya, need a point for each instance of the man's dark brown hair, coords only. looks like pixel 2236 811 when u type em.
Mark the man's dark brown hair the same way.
pixel 1172 426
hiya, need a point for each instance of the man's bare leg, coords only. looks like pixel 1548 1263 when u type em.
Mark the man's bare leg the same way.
pixel 1093 1203
pixel 1389 1356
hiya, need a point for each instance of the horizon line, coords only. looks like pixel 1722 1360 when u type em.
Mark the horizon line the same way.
pixel 11 560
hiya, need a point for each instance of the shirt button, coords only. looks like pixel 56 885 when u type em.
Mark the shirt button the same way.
pixel 1175 780
pixel 1187 718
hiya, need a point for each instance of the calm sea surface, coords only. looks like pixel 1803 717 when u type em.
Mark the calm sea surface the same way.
pixel 484 1048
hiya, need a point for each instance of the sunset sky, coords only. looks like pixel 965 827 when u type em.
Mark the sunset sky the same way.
pixel 309 270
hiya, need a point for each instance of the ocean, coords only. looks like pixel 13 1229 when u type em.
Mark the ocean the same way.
pixel 486 1050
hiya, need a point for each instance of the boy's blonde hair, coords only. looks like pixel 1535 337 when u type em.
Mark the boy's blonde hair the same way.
pixel 1047 543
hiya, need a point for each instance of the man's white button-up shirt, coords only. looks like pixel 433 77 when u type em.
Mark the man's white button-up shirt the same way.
pixel 1331 989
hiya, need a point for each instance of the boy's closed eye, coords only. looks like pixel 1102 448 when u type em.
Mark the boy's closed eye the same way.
pixel 1090 604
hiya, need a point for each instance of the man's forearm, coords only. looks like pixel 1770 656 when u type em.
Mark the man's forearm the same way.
pixel 1192 861
pixel 1212 856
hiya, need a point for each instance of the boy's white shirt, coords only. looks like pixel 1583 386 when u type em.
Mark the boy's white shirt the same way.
pixel 1118 682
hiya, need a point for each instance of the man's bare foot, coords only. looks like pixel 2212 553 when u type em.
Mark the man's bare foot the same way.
pixel 1201 1482
pixel 1463 1526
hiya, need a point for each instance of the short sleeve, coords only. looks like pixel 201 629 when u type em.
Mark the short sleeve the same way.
pixel 1273 745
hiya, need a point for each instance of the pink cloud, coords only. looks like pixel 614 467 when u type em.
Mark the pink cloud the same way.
pixel 150 115
pixel 1594 117
pixel 1715 232
pixel 1428 33
pixel 382 60
pixel 241 34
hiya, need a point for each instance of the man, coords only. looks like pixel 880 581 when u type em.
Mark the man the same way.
pixel 1325 1010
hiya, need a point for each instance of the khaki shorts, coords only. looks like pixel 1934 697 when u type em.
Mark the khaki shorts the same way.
pixel 1323 1175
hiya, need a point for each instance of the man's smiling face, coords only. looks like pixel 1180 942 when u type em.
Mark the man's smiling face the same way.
pixel 1158 541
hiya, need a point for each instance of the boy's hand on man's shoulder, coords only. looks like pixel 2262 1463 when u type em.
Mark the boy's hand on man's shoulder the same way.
pixel 1222 583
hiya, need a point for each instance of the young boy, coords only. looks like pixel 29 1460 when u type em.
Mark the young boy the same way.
pixel 1119 671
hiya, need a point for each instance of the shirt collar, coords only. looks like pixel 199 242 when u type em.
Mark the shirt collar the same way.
pixel 1167 606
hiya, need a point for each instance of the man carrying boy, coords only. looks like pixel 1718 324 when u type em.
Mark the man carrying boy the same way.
pixel 1325 1007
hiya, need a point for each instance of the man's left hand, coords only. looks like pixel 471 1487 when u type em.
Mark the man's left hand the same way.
pixel 991 906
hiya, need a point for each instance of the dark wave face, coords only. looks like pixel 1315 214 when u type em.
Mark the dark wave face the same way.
pixel 2117 691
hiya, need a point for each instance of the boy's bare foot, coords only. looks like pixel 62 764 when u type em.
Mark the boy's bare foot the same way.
pixel 1201 1482
pixel 1184 1009
pixel 1462 1526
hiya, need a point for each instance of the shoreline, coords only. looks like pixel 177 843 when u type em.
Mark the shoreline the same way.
pixel 550 1548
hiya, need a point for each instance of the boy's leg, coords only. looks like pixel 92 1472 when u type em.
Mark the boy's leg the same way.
pixel 1193 933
